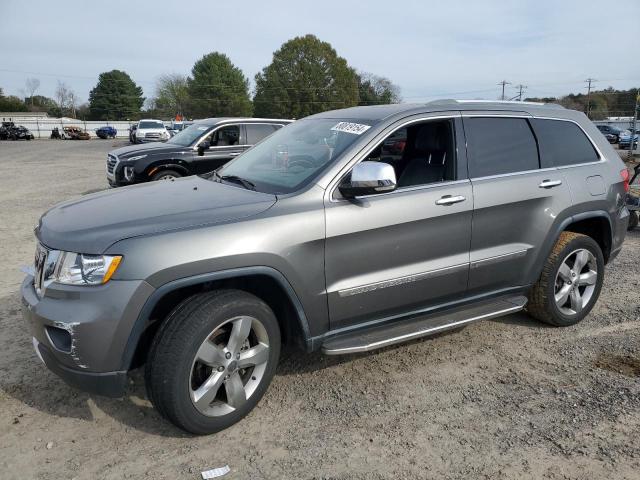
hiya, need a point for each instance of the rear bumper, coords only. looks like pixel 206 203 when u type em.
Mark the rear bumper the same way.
pixel 109 384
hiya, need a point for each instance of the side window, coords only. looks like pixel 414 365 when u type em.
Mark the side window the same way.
pixel 500 145
pixel 562 143
pixel 420 154
pixel 256 132
pixel 225 136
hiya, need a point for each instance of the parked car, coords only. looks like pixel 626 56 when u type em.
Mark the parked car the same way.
pixel 177 127
pixel 199 148
pixel 625 140
pixel 306 239
pixel 19 132
pixel 132 133
pixel 150 131
pixel 106 132
pixel 612 134
pixel 75 133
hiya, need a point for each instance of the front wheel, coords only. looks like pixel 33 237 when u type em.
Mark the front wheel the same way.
pixel 212 360
pixel 165 175
pixel 570 282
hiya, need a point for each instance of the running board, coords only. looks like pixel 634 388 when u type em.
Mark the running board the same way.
pixel 428 324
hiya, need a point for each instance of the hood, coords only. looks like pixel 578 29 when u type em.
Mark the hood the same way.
pixel 94 222
pixel 147 149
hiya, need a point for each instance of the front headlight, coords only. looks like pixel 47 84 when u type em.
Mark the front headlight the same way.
pixel 79 269
pixel 133 159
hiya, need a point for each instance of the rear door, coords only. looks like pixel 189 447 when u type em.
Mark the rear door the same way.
pixel 515 200
pixel 258 131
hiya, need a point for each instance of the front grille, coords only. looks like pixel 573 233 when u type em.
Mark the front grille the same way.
pixel 151 135
pixel 112 162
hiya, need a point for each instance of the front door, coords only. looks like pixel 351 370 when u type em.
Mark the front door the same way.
pixel 226 143
pixel 403 251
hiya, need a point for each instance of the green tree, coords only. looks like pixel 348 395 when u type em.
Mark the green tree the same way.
pixel 218 88
pixel 12 104
pixel 40 103
pixel 172 95
pixel 375 90
pixel 306 76
pixel 116 96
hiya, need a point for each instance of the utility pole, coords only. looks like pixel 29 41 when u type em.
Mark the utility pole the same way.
pixel 503 83
pixel 520 89
pixel 589 81
pixel 634 124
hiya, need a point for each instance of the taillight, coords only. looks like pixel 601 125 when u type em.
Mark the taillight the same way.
pixel 625 179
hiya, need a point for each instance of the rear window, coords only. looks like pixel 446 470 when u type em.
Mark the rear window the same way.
pixel 500 145
pixel 563 143
pixel 256 132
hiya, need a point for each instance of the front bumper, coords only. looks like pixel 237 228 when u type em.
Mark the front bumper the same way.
pixel 97 322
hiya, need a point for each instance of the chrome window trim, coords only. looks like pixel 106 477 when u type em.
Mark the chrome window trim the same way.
pixel 217 126
pixel 511 174
pixel 372 145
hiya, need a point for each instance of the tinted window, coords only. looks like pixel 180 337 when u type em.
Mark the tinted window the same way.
pixel 500 145
pixel 257 132
pixel 562 143
pixel 226 136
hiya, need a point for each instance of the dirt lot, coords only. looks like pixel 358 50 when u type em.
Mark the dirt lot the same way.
pixel 498 400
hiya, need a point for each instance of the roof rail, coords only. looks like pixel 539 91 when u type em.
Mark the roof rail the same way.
pixel 499 102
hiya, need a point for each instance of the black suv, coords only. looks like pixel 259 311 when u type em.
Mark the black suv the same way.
pixel 612 134
pixel 199 148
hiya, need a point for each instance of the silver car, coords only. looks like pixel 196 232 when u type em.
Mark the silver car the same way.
pixel 342 232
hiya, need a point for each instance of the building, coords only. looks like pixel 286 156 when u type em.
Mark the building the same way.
pixel 21 117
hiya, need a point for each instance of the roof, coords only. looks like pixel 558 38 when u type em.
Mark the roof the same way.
pixel 376 113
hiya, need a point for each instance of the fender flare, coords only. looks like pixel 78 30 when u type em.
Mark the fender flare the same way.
pixel 561 227
pixel 165 164
pixel 142 321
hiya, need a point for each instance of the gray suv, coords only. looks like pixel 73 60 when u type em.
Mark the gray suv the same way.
pixel 343 232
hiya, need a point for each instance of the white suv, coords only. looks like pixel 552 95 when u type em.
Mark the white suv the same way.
pixel 151 131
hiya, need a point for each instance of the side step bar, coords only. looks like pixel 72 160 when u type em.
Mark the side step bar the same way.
pixel 400 331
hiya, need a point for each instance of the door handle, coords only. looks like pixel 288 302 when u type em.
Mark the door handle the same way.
pixel 550 183
pixel 450 200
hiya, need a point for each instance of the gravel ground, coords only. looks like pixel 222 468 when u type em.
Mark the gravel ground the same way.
pixel 501 399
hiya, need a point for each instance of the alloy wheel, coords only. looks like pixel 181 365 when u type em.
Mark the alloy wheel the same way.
pixel 576 281
pixel 228 366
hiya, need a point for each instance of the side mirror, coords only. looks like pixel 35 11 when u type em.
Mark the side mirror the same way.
pixel 369 178
pixel 203 146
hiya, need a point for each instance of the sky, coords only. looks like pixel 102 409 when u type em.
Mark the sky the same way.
pixel 430 49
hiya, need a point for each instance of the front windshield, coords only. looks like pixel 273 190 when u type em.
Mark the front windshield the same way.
pixel 145 125
pixel 189 135
pixel 293 156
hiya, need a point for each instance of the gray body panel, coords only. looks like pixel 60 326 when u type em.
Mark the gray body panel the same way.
pixel 347 263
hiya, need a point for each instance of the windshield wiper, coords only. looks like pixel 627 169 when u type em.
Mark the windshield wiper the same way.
pixel 249 185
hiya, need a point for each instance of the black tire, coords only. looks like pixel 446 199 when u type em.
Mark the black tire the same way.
pixel 633 220
pixel 170 363
pixel 165 175
pixel 542 305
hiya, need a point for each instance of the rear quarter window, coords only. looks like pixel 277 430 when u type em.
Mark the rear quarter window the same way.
pixel 562 143
pixel 500 145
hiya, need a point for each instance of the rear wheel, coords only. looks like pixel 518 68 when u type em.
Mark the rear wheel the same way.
pixel 570 283
pixel 212 360
pixel 165 175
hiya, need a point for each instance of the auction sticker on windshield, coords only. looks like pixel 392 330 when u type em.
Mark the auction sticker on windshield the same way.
pixel 348 127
